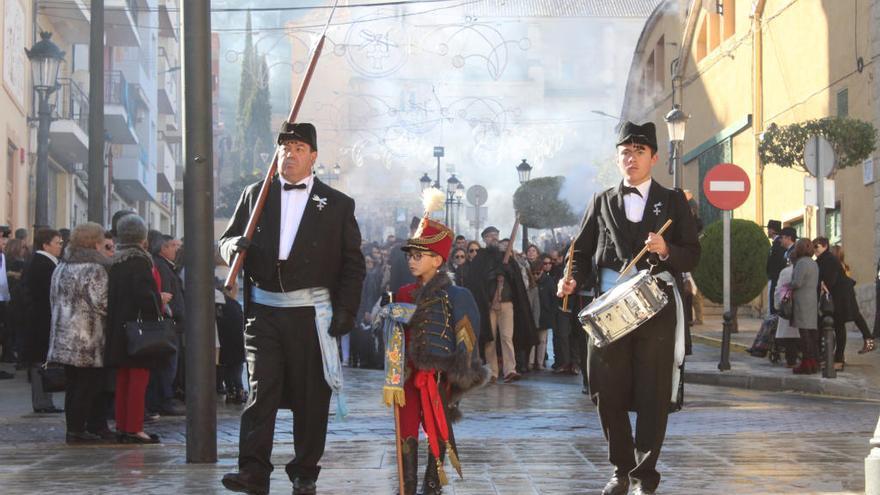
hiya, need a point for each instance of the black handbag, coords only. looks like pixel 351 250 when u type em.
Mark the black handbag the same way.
pixel 786 304
pixel 151 339
pixel 53 379
pixel 826 304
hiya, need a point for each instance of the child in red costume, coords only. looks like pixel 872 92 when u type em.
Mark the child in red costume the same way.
pixel 442 356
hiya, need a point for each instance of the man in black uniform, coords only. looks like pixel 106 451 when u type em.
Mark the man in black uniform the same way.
pixel 635 373
pixel 303 264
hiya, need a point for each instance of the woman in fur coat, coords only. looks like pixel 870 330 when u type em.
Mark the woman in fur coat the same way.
pixel 78 296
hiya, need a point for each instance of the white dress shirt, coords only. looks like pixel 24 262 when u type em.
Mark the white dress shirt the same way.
pixel 293 205
pixel 635 205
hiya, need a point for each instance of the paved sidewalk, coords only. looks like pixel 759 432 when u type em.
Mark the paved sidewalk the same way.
pixel 860 379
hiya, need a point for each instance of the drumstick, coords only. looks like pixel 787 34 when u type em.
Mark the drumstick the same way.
pixel 568 274
pixel 643 251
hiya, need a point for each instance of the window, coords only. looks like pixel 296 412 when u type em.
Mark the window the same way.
pixel 833 230
pixel 10 180
pixel 660 64
pixel 843 103
pixel 701 41
pixel 728 12
pixel 714 30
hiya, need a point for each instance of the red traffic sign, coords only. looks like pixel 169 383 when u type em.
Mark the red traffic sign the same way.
pixel 726 186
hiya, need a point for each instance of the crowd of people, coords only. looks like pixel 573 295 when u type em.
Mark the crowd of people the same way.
pixel 66 301
pixel 809 280
pixel 518 314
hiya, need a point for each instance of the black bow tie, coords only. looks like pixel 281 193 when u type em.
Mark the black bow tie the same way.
pixel 288 187
pixel 628 190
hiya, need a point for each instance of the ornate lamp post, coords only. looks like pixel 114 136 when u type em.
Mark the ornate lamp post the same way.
pixel 676 121
pixel 524 170
pixel 452 184
pixel 425 182
pixel 45 58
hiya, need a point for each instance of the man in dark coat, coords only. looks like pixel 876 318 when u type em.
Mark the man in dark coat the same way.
pixel 474 274
pixel 775 260
pixel 303 264
pixel 637 371
pixel 511 322
pixel 37 281
pixel 164 249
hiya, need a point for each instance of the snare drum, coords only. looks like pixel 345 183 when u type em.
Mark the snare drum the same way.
pixel 622 309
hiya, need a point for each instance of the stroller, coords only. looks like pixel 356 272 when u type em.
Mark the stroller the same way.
pixel 765 341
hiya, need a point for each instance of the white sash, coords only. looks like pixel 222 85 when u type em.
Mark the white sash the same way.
pixel 319 298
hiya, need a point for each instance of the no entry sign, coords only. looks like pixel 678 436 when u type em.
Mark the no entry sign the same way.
pixel 726 186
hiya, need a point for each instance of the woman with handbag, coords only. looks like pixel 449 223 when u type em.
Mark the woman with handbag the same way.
pixel 787 335
pixel 133 297
pixel 804 280
pixel 78 296
pixel 842 291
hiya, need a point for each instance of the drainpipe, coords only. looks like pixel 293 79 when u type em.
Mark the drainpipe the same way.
pixel 758 103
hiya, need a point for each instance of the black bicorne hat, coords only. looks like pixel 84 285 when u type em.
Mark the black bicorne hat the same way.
pixel 304 132
pixel 638 134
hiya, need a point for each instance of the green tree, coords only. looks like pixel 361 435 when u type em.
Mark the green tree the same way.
pixel 852 140
pixel 748 262
pixel 538 204
pixel 253 133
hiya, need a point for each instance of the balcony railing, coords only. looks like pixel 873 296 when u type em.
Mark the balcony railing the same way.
pixel 71 103
pixel 117 91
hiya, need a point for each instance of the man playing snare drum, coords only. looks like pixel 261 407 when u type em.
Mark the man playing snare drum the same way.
pixel 636 372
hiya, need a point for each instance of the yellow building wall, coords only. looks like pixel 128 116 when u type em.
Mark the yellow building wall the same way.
pixel 14 130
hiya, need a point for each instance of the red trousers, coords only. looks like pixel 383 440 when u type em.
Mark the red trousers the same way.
pixel 411 413
pixel 131 387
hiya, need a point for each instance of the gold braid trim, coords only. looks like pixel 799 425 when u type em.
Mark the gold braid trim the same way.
pixel 429 240
pixel 464 332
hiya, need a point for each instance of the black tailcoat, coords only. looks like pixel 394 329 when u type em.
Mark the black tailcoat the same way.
pixel 635 372
pixel 326 252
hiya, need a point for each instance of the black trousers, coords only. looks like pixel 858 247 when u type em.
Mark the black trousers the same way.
pixel 635 374
pixel 286 370
pixel 83 408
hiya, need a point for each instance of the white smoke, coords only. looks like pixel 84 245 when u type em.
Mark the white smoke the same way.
pixel 491 91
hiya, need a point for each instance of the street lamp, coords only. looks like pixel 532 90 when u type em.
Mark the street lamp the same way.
pixel 425 182
pixel 524 170
pixel 676 120
pixel 45 58
pixel 452 184
pixel 459 196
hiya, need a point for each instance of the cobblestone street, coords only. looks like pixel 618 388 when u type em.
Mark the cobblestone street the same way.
pixel 538 436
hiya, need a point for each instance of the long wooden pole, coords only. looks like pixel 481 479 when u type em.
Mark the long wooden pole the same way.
pixel 238 261
pixel 399 442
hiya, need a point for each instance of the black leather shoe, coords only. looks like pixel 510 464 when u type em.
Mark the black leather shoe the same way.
pixel 244 482
pixel 48 410
pixel 304 486
pixel 616 486
pixel 82 438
